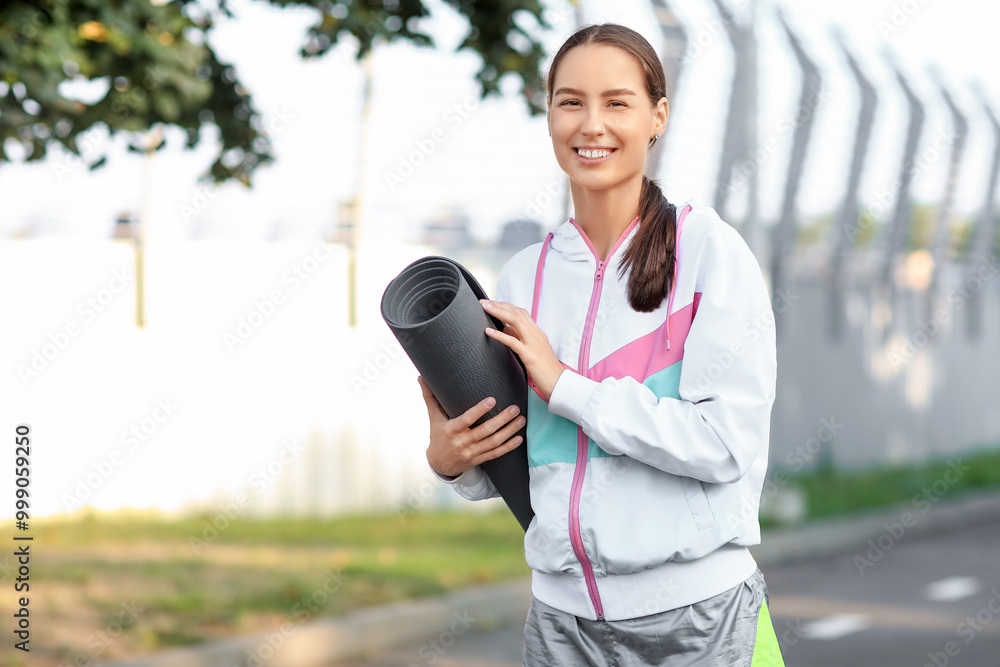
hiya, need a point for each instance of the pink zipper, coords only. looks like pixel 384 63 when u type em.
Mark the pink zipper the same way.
pixel 575 535
pixel 583 367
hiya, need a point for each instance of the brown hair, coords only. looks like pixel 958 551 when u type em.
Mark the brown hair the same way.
pixel 650 256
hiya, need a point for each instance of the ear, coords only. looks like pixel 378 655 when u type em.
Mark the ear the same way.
pixel 660 115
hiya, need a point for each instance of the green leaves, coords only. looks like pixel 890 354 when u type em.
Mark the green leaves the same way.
pixel 157 74
pixel 160 69
pixel 489 35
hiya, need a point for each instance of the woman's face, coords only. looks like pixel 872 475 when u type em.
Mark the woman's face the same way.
pixel 601 116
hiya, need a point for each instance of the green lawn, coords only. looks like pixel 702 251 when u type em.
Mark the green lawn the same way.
pixel 112 585
pixel 830 491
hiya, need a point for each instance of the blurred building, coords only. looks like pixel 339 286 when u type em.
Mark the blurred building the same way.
pixel 520 233
pixel 448 230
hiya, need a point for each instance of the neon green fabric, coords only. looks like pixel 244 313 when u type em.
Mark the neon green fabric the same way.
pixel 766 652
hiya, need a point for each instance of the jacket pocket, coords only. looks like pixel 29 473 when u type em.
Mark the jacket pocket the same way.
pixel 697 501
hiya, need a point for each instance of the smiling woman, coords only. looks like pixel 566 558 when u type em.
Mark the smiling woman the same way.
pixel 646 465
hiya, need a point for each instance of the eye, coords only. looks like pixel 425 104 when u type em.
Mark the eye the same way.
pixel 565 102
pixel 617 103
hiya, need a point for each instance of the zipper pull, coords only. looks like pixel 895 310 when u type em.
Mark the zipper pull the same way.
pixel 600 270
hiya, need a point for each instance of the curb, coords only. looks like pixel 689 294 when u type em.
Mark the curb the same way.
pixel 369 631
pixel 829 537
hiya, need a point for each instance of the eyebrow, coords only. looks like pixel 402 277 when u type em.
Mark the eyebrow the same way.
pixel 614 92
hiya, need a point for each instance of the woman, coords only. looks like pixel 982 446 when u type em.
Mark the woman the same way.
pixel 648 337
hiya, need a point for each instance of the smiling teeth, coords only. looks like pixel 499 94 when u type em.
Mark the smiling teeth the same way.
pixel 585 152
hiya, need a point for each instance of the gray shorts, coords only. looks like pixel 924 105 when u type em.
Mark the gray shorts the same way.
pixel 731 629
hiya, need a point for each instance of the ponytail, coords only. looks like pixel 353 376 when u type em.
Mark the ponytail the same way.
pixel 650 257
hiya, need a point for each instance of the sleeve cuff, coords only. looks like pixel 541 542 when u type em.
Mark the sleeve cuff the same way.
pixel 470 477
pixel 571 394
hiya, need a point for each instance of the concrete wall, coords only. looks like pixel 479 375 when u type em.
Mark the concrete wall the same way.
pixel 246 392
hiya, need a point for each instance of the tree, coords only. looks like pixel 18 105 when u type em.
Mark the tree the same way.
pixel 156 66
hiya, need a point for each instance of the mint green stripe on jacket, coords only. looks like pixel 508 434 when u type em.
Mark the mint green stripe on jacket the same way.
pixel 552 439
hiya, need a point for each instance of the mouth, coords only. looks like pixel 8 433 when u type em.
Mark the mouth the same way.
pixel 593 153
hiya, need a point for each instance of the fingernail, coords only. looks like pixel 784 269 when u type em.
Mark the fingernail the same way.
pixel 517 440
pixel 513 409
pixel 519 421
pixel 490 402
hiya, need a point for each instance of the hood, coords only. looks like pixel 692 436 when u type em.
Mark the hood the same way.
pixel 571 241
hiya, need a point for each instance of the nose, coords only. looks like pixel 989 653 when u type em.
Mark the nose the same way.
pixel 593 122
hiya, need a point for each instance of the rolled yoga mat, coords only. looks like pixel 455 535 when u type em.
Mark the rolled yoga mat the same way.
pixel 433 309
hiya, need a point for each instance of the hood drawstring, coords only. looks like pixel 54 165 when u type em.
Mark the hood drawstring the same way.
pixel 538 277
pixel 537 292
pixel 670 299
pixel 677 261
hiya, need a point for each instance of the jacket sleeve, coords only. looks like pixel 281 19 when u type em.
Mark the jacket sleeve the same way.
pixel 721 422
pixel 474 484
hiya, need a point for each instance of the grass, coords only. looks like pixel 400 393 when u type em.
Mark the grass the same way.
pixel 830 491
pixel 124 584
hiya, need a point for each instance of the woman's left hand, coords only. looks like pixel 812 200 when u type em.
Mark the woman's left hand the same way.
pixel 530 343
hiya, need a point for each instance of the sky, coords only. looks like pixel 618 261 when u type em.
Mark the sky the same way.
pixel 489 158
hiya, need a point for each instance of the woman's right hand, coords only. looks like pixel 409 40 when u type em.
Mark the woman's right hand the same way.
pixel 455 447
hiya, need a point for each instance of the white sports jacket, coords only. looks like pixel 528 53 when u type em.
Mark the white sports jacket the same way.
pixel 647 463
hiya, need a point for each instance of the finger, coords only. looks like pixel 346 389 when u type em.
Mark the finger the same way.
pixel 499 309
pixel 500 437
pixel 493 424
pixel 506 311
pixel 497 452
pixel 516 320
pixel 510 341
pixel 470 416
pixel 434 409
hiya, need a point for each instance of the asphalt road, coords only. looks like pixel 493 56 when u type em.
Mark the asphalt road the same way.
pixel 928 600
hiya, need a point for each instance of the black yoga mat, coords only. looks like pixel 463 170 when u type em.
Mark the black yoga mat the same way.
pixel 433 309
